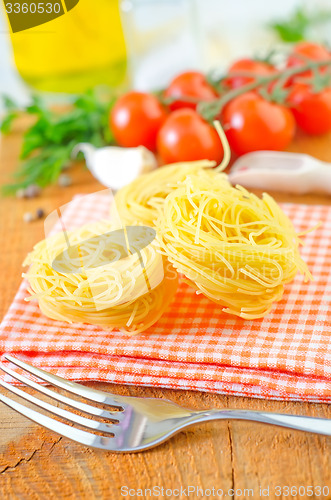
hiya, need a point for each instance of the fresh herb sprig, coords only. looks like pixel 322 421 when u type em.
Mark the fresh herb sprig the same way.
pixel 48 143
pixel 296 27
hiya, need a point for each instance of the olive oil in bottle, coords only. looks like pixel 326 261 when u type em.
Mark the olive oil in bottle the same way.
pixel 77 49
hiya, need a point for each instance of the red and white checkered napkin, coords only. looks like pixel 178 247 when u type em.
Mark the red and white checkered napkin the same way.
pixel 286 355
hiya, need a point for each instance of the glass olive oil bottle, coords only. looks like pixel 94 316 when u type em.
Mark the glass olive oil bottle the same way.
pixel 76 50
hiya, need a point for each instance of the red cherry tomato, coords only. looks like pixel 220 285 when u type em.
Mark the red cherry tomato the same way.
pixel 252 123
pixel 191 85
pixel 136 119
pixel 234 80
pixel 311 110
pixel 185 136
pixel 305 52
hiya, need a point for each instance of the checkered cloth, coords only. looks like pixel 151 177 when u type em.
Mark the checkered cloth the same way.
pixel 286 355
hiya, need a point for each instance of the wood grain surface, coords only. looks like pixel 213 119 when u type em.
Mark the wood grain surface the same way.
pixel 241 456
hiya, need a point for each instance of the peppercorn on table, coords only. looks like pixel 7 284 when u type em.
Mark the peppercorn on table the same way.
pixel 230 457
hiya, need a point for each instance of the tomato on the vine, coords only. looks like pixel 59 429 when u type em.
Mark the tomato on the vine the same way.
pixel 187 89
pixel 136 119
pixel 305 52
pixel 257 68
pixel 185 136
pixel 251 123
pixel 312 110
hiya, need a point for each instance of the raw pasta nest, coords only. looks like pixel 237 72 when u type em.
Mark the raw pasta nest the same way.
pixel 235 248
pixel 139 201
pixel 119 294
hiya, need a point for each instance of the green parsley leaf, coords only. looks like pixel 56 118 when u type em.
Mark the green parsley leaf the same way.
pixel 48 143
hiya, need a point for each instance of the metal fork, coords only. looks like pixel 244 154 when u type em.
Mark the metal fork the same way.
pixel 134 424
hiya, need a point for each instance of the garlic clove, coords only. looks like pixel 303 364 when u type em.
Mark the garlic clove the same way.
pixel 281 171
pixel 116 167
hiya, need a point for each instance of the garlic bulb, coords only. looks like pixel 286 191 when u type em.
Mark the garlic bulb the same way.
pixel 115 167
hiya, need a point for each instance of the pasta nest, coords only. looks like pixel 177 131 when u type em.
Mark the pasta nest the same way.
pixel 139 201
pixel 99 284
pixel 235 248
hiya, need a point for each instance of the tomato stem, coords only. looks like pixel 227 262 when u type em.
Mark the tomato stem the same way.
pixel 211 109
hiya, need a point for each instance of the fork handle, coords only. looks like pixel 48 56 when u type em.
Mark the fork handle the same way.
pixel 298 422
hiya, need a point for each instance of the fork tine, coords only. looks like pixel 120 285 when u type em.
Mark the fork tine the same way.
pixel 81 437
pixel 78 405
pixel 78 389
pixel 60 412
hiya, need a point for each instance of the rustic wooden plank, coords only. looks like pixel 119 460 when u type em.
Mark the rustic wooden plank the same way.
pixel 37 464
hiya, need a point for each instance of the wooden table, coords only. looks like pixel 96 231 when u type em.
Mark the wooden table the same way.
pixel 37 464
